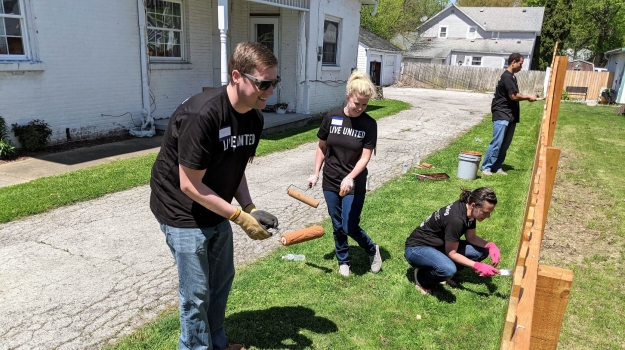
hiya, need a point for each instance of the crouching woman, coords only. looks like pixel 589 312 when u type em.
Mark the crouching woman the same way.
pixel 435 248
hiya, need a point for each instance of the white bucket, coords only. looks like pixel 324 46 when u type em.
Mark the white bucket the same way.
pixel 468 163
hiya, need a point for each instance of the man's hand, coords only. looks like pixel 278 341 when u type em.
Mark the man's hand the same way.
pixel 265 219
pixel 532 98
pixel 250 225
pixel 485 270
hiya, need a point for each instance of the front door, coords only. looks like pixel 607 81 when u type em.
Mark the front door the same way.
pixel 265 31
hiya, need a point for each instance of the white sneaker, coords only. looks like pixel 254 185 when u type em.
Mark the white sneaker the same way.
pixel 376 260
pixel 344 270
pixel 501 172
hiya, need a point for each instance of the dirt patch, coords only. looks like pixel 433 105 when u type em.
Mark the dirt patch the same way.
pixel 569 238
pixel 66 146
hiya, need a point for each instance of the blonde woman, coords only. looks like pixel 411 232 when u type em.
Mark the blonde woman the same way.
pixel 347 137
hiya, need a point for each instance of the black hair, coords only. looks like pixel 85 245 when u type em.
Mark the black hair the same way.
pixel 478 196
pixel 514 58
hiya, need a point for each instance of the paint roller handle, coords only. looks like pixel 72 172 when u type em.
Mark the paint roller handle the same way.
pixel 346 186
pixel 312 181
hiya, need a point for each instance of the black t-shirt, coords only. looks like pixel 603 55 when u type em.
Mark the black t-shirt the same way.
pixel 503 107
pixel 346 138
pixel 205 132
pixel 446 224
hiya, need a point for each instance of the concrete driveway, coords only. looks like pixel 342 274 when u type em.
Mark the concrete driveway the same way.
pixel 84 275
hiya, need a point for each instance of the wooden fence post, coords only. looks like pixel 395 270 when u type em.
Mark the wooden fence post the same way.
pixel 553 288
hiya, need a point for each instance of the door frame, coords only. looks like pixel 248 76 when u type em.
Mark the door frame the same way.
pixel 273 99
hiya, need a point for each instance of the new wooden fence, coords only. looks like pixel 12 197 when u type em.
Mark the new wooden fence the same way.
pixel 539 292
pixel 467 77
pixel 594 81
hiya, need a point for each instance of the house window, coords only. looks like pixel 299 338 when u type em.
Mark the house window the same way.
pixel 165 30
pixel 442 31
pixel 13 43
pixel 330 42
pixel 476 61
pixel 472 32
pixel 495 35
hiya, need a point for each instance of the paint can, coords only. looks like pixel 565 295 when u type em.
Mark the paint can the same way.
pixel 468 164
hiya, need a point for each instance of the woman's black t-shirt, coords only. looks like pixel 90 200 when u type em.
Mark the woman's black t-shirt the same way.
pixel 346 137
pixel 446 224
pixel 204 133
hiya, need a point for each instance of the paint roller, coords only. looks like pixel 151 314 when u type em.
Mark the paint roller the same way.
pixel 302 235
pixel 302 197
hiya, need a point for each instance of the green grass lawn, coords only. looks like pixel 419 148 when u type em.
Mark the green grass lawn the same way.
pixel 586 222
pixel 276 304
pixel 44 194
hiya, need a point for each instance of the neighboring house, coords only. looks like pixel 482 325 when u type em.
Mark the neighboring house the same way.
pixel 92 67
pixel 616 64
pixel 580 65
pixel 379 58
pixel 475 36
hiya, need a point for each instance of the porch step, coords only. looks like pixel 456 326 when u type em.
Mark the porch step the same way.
pixel 274 122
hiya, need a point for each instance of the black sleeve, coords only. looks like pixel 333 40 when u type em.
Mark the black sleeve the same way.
pixel 324 130
pixel 195 139
pixel 453 229
pixel 510 85
pixel 371 136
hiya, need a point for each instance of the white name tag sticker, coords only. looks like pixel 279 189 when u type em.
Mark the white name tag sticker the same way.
pixel 224 133
pixel 337 121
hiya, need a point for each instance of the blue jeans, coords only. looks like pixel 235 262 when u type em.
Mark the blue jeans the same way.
pixel 204 257
pixel 503 131
pixel 345 214
pixel 435 266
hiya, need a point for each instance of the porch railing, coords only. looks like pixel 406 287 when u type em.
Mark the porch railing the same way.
pixel 302 5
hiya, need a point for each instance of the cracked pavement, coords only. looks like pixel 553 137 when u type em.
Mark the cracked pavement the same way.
pixel 82 276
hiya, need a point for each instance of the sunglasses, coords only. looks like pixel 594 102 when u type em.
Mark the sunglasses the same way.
pixel 263 84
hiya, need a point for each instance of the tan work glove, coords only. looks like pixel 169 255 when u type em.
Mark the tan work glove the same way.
pixel 249 224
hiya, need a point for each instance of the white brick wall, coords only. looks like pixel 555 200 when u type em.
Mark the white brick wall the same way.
pixel 93 67
pixel 90 51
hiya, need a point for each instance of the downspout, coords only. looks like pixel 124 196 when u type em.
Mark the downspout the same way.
pixel 222 23
pixel 302 34
pixel 147 127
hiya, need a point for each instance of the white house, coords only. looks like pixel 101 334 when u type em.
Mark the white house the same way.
pixel 475 36
pixel 90 67
pixel 616 64
pixel 379 58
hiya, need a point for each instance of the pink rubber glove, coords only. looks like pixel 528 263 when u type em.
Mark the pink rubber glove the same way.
pixel 493 252
pixel 312 181
pixel 485 270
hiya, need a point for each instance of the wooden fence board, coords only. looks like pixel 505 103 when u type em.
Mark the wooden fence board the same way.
pixel 594 81
pixel 553 288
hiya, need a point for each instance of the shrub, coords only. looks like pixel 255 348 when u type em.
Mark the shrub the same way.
pixel 33 136
pixel 7 149
pixel 565 96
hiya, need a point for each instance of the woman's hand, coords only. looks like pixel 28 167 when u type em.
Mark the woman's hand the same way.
pixel 312 181
pixel 346 186
pixel 493 253
pixel 485 270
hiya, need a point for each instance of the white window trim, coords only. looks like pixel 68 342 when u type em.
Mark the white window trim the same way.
pixel 446 31
pixel 337 65
pixel 469 32
pixel 183 39
pixel 30 60
pixel 495 35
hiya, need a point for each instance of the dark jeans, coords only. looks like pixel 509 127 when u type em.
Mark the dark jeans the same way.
pixel 503 131
pixel 345 214
pixel 435 266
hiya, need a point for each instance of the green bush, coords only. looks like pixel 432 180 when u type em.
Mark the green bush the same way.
pixel 7 149
pixel 565 96
pixel 33 136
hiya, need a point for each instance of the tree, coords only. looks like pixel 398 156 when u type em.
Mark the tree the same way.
pixel 488 3
pixel 398 16
pixel 598 26
pixel 556 28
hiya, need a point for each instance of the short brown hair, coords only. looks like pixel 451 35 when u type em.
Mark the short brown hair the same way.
pixel 248 56
pixel 515 57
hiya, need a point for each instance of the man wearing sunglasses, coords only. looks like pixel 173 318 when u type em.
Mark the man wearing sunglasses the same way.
pixel 199 170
